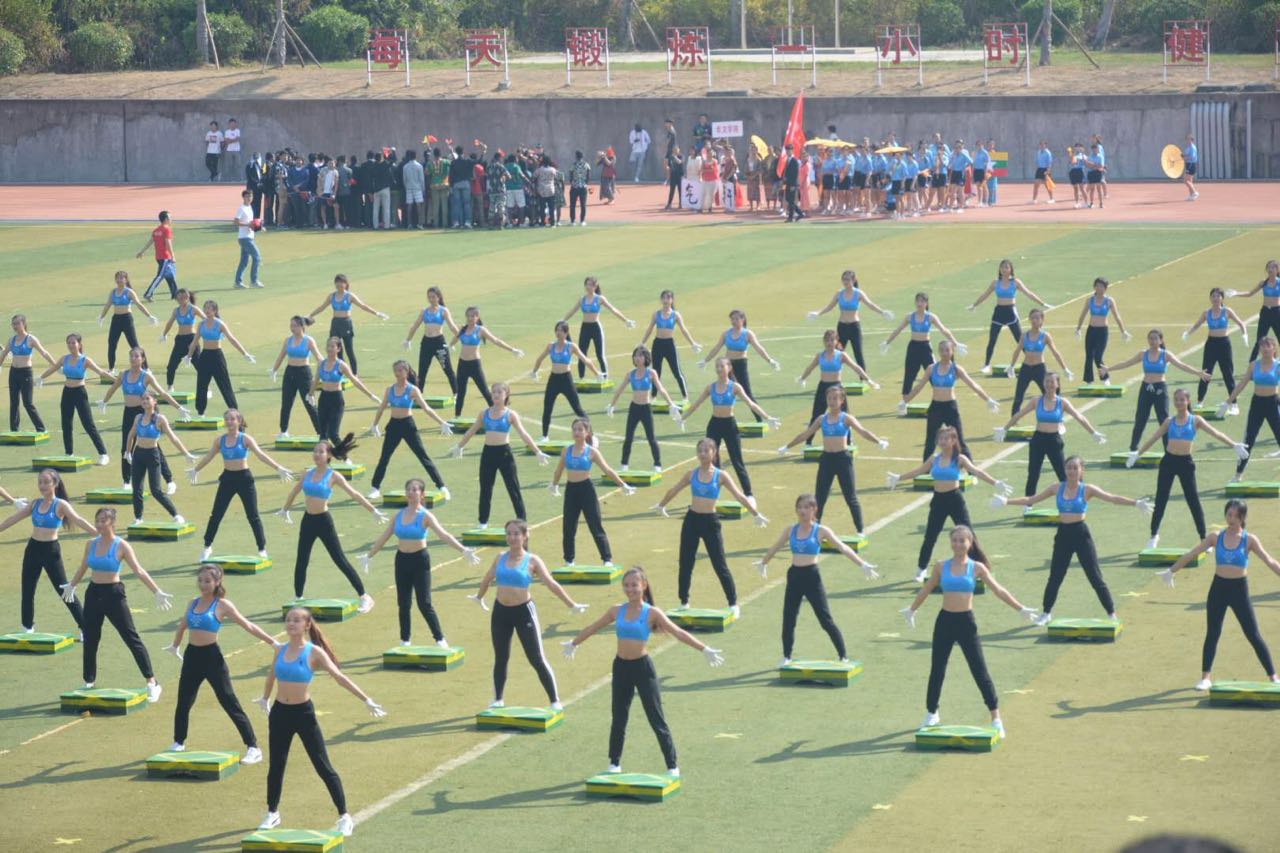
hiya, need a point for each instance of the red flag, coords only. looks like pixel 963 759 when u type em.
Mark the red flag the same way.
pixel 795 132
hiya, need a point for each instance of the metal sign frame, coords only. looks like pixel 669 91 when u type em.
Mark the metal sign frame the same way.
pixel 996 36
pixel 797 40
pixel 680 37
pixel 481 38
pixel 380 40
pixel 890 37
pixel 573 37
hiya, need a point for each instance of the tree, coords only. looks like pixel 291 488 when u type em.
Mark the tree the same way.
pixel 1104 24
pixel 202 31
pixel 1046 32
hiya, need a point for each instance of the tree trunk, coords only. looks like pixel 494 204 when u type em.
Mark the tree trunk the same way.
pixel 627 33
pixel 280 48
pixel 202 31
pixel 1046 32
pixel 1104 24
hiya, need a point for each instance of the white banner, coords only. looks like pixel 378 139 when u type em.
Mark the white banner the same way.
pixel 690 193
pixel 726 129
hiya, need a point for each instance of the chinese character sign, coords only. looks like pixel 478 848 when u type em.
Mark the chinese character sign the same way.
pixel 895 39
pixel 1187 43
pixel 687 48
pixel 486 46
pixel 586 46
pixel 1004 44
pixel 387 47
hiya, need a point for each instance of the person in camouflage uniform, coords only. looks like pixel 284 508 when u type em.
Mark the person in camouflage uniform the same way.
pixel 559 208
pixel 496 189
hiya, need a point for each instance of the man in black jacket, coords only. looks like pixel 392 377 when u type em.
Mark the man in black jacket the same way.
pixel 364 185
pixel 461 171
pixel 791 180
pixel 267 189
pixel 253 176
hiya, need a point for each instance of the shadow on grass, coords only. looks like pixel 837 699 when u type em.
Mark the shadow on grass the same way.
pixel 218 841
pixel 553 796
pixel 733 682
pixel 1175 699
pixel 361 733
pixel 51 710
pixel 886 743
pixel 132 771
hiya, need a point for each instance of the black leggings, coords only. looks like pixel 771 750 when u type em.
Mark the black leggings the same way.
pixel 1027 374
pixel 820 402
pixel 838 466
pixel 588 334
pixel 211 364
pixel 942 413
pixel 1095 347
pixel 742 375
pixel 664 349
pixel 343 329
pixel 495 459
pixel 559 385
pixel 1151 395
pixel 1074 539
pixel 1044 445
pixel 1261 410
pixel 1268 321
pixel 146 460
pixel 850 334
pixel 577 199
pixel 236 484
pixel 121 324
pixel 201 664
pixel 283 723
pixel 46 557
pixel 1184 468
pixel 522 620
pixel 580 500
pixel 413 580
pixel 1217 353
pixel 75 402
pixel 21 387
pixel 320 526
pixel 1233 593
pixel 332 406
pixel 640 415
pixel 126 467
pixel 631 677
pixel 804 582
pixel 942 506
pixel 704 527
pixel 435 349
pixel 1003 317
pixel 919 357
pixel 181 346
pixel 470 368
pixel 107 601
pixel 297 383
pixel 398 430
pixel 949 629
pixel 726 430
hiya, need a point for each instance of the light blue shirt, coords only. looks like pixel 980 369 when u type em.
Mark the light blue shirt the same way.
pixel 960 160
pixel 1191 154
pixel 982 159
pixel 1044 158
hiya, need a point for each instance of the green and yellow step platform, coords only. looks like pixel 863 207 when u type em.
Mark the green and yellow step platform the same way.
pixel 209 766
pixel 1003 371
pixel 1021 432
pixel 431 498
pixel 429 658
pixel 478 536
pixel 650 787
pixel 35 643
pixel 438 401
pixel 241 564
pixel 114 701
pixel 1096 630
pixel 348 469
pixel 62 462
pixel 593 385
pixel 182 398
pixel 1254 489
pixel 660 407
pixel 159 531
pixel 833 673
pixel 520 719
pixel 1166 557
pixel 752 429
pixel 917 410
pixel 814 453
pixel 1209 413
pixel 856 541
pixel 1266 693
pixel 639 479
pixel 1150 459
pixel 324 609
pixel 601 575
pixel 855 389
pixel 198 423
pixel 461 424
pixel 966 738
pixel 296 442
pixel 924 483
pixel 1093 389
pixel 111 495
pixel 1040 517
pixel 26 438
pixel 730 509
pixel 293 841
pixel 702 619
pixel 552 447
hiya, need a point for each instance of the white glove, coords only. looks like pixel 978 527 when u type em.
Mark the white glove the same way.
pixel 173 649
pixel 554 489
pixel 697 348
pixel 1003 488
pixel 382 315
pixel 1143 506
pixel 185 413
pixel 456 451
pixel 471 556
pixel 543 459
pixel 631 324
pixel 909 615
pixel 39 381
pixel 364 559
pixel 20 503
pixel 902 407
pixel 869 571
pixel 660 510
pixel 478 600
pixel 875 386
pixel 713 656
pixel 675 414
pixel 679 419
pixel 249 358
pixel 762 567
pixel 883 443
pixel 891 481
pixel 164 600
pixel 962 350
pixel 812 315
pixel 164 338
pixel 761 521
pixel 190 457
pixel 100 320
pixel 577 609
pixel 286 476
pixel 533 374
pixel 68 592
pixel 1027 613
pixel 380 516
pixel 1131 459
pixel 274 374
pixel 1231 293
pixel 284 513
pixel 628 490
pixel 1186 335
pixel 702 364
pixel 407 345
pixel 774 423
pixel 888 315
pixel 375 431
pixel 1244 338
pixel 884 347
pixel 128 456
pixel 1099 438
pixel 777 365
pixel 264 703
pixel 446 428
pixel 1167 577
pixel 1242 452
pixel 993 405
pixel 782 451
pixel 567 648
pixel 999 501
pixel 999 433
pixel 608 410
pixel 102 407
pixel 375 398
pixel 155 321
pixel 375 710
pixel 517 352
pixel 186 359
pixel 1222 409
pixel 1071 376
pixel 1079 334
pixel 313 398
pixel 193 476
pixel 801 381
pixel 1128 336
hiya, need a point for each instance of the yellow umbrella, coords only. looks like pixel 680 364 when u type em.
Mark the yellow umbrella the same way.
pixel 818 142
pixel 762 148
pixel 1171 161
pixel 892 149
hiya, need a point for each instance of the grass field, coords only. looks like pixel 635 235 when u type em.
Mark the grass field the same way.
pixel 1106 743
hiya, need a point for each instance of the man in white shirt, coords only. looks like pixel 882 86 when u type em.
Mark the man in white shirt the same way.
pixel 415 186
pixel 248 247
pixel 232 166
pixel 212 150
pixel 639 138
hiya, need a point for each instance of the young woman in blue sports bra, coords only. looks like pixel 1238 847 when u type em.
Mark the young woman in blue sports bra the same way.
pixel 956 625
pixel 635 621
pixel 203 660
pixel 1269 314
pixel 326 390
pixel 580 499
pixel 804 582
pixel 298 348
pixel 1217 346
pixel 410 526
pixel 1155 361
pixel 341 301
pixel 1264 373
pixel 725 392
pixel 663 328
pixel 591 304
pixel 236 480
pixel 48 513
pixel 105 598
pixel 434 320
pixel 735 341
pixel 1005 315
pixel 1179 433
pixel 941 376
pixel 292 713
pixel 919 352
pixel 1099 308
pixel 132 384
pixel 470 336
pixel 701 524
pixel 1230 588
pixel 400 397
pixel 21 382
pixel 830 362
pixel 643 383
pixel 497 422
pixel 1073 538
pixel 836 426
pixel 75 396
pixel 210 363
pixel 1046 442
pixel 849 299
pixel 143 448
pixel 561 351
pixel 186 316
pixel 1031 348
pixel 511 573
pixel 120 302
pixel 318 485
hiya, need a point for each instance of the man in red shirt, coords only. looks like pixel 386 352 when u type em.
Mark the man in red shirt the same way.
pixel 478 218
pixel 162 239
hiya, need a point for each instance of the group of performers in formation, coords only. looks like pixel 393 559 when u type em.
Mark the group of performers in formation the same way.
pixel 200 336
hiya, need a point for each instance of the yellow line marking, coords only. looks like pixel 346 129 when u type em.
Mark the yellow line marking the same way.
pixel 882 807
pixel 1200 758
pixel 54 731
pixel 729 735
pixel 66 841
pixel 1137 818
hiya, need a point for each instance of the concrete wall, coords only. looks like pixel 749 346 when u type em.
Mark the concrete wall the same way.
pixel 162 141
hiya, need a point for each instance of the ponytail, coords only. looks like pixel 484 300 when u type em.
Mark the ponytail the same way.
pixel 648 587
pixel 59 487
pixel 218 590
pixel 315 635
pixel 411 377
pixel 591 280
pixel 343 448
pixel 302 321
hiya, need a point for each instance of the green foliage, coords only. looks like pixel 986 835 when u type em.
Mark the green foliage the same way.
pixel 334 33
pixel 12 53
pixel 1068 11
pixel 99 46
pixel 941 22
pixel 32 21
pixel 231 36
pixel 1264 20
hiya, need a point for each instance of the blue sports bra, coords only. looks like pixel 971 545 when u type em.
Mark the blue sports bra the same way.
pixel 1269 378
pixel 849 304
pixel 957 583
pixel 294 671
pixel 668 323
pixel 643 384
pixel 942 380
pixel 809 545
pixel 133 387
pixel 1100 310
pixel 120 298
pixel 1076 505
pixel 949 472
pixel 833 365
pixel 725 397
pixel 73 371
pixel 710 489
pixel 1049 416
pixel 1160 365
pixel 299 349
pixel 401 400
pixel 48 519
pixel 1030 345
pixel 415 530
pixel 187 319
pixel 23 348
pixel 1237 556
pixel 592 307
pixel 839 429
pixel 502 423
pixel 343 304
pixel 214 334
pixel 1182 432
pixel 632 629
pixel 149 430
pixel 577 463
pixel 330 374
pixel 1271 288
pixel 563 356
pixel 108 562
pixel 206 621
pixel 321 488
pixel 738 344
pixel 235 451
pixel 469 339
pixel 515 576
pixel 433 319
pixel 1220 322
pixel 920 326
pixel 1010 292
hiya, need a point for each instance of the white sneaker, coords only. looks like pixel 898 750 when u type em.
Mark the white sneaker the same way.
pixel 374 494
pixel 614 768
pixel 346 825
pixel 126 485
pixel 153 692
pixel 206 553
pixel 406 643
pixel 482 525
pixel 1203 684
pixel 922 575
pixel 444 493
pixel 930 719
pixel 986 370
pixel 27 630
pixel 1026 510
pixel 543 440
pixel 443 643
pixel 271 821
pixel 104 460
pixel 1052 201
pixel 557 706
pixel 281 435
pixel 177 747
pixel 624 468
pixel 1233 409
pixel 177 519
pixel 608 564
pixel 1043 619
pixel 673 772
pixel 252 755
pixel 366 603
pixel 785 662
pixel 171 489
pixel 1195 196
pixel 657 469
pixel 1154 541
pixel 497 703
pixel 998 725
pixel 263 554
pixel 736 610
pixel 258 284
pixel 88 685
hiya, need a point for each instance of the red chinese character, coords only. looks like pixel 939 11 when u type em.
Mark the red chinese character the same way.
pixel 894 40
pixel 687 48
pixel 1186 44
pixel 586 47
pixel 485 46
pixel 999 40
pixel 385 47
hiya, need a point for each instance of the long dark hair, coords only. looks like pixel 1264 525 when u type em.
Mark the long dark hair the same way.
pixel 410 377
pixel 343 448
pixel 59 487
pixel 648 587
pixel 975 550
pixel 218 590
pixel 315 635
pixel 1241 508
pixel 438 292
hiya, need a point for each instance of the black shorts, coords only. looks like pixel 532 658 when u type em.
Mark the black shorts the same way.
pixel 1190 169
pixel 860 180
pixel 1095 176
pixel 1076 176
pixel 1040 173
pixel 895 187
pixel 938 181
pixel 845 182
pixel 828 181
pixel 979 175
pixel 957 178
